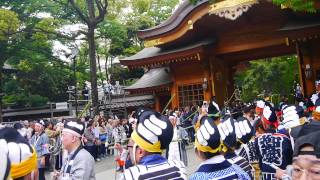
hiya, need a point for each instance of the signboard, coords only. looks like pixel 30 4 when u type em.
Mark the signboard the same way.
pixel 62 105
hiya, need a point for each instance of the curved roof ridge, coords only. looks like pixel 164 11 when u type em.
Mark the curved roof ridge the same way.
pixel 173 21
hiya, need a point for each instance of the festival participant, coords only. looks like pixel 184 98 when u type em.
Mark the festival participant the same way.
pixel 315 98
pixel 306 159
pixel 40 142
pixel 208 148
pixel 292 121
pixel 260 104
pixel 248 113
pixel 5 165
pixel 153 134
pixel 79 164
pixel 18 158
pixel 230 131
pixel 211 110
pixel 310 126
pixel 273 149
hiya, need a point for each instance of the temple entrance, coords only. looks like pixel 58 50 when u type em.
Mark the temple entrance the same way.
pixel 205 50
pixel 274 77
pixel 163 101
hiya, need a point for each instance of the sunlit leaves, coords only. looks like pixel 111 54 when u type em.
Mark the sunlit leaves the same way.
pixel 9 23
pixel 272 76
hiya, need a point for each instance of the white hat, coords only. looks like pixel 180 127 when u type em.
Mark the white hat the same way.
pixel 5 163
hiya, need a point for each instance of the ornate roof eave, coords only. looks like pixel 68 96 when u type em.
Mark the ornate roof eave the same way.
pixel 162 88
pixel 184 18
pixel 164 59
pixel 300 35
pixel 157 57
pixel 306 38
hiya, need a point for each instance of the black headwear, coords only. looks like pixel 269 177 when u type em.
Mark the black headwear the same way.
pixel 74 127
pixel 310 139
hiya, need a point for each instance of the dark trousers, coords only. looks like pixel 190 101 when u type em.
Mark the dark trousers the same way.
pixel 42 174
pixel 102 149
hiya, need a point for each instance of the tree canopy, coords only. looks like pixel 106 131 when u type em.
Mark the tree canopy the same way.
pixel 269 76
pixel 297 5
pixel 32 33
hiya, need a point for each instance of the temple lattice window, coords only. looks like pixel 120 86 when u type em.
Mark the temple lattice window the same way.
pixel 190 94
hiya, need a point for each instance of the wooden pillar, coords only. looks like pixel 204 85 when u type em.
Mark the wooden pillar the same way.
pixel 221 74
pixel 229 77
pixel 174 90
pixel 157 103
pixel 308 55
pixel 212 85
pixel 208 76
pixel 301 66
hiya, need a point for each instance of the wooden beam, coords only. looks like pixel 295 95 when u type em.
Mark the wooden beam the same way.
pixel 238 45
pixel 254 54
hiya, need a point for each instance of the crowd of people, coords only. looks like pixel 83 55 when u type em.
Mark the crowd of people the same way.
pixel 257 140
pixel 99 137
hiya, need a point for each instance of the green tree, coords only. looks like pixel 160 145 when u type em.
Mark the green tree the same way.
pixel 158 11
pixel 9 24
pixel 41 76
pixel 124 76
pixel 91 13
pixel 296 5
pixel 271 76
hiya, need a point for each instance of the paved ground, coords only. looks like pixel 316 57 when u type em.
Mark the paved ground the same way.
pixel 105 169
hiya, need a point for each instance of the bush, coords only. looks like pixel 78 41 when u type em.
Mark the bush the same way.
pixel 22 100
pixel 37 100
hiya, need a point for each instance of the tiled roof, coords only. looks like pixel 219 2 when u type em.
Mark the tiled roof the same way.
pixel 153 78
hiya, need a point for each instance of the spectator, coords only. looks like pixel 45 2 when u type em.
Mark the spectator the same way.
pixel 96 131
pixel 90 139
pixel 110 137
pixel 127 128
pixel 187 122
pixel 27 125
pixel 21 129
pixel 103 136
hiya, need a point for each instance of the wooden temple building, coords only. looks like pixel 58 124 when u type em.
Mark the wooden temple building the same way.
pixel 194 54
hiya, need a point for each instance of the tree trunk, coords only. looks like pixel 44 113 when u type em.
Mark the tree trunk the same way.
pixel 111 66
pixel 1 94
pixel 93 69
pixel 106 66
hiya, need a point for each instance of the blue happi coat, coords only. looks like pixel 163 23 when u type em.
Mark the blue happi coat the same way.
pixel 218 168
pixel 40 144
pixel 273 149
